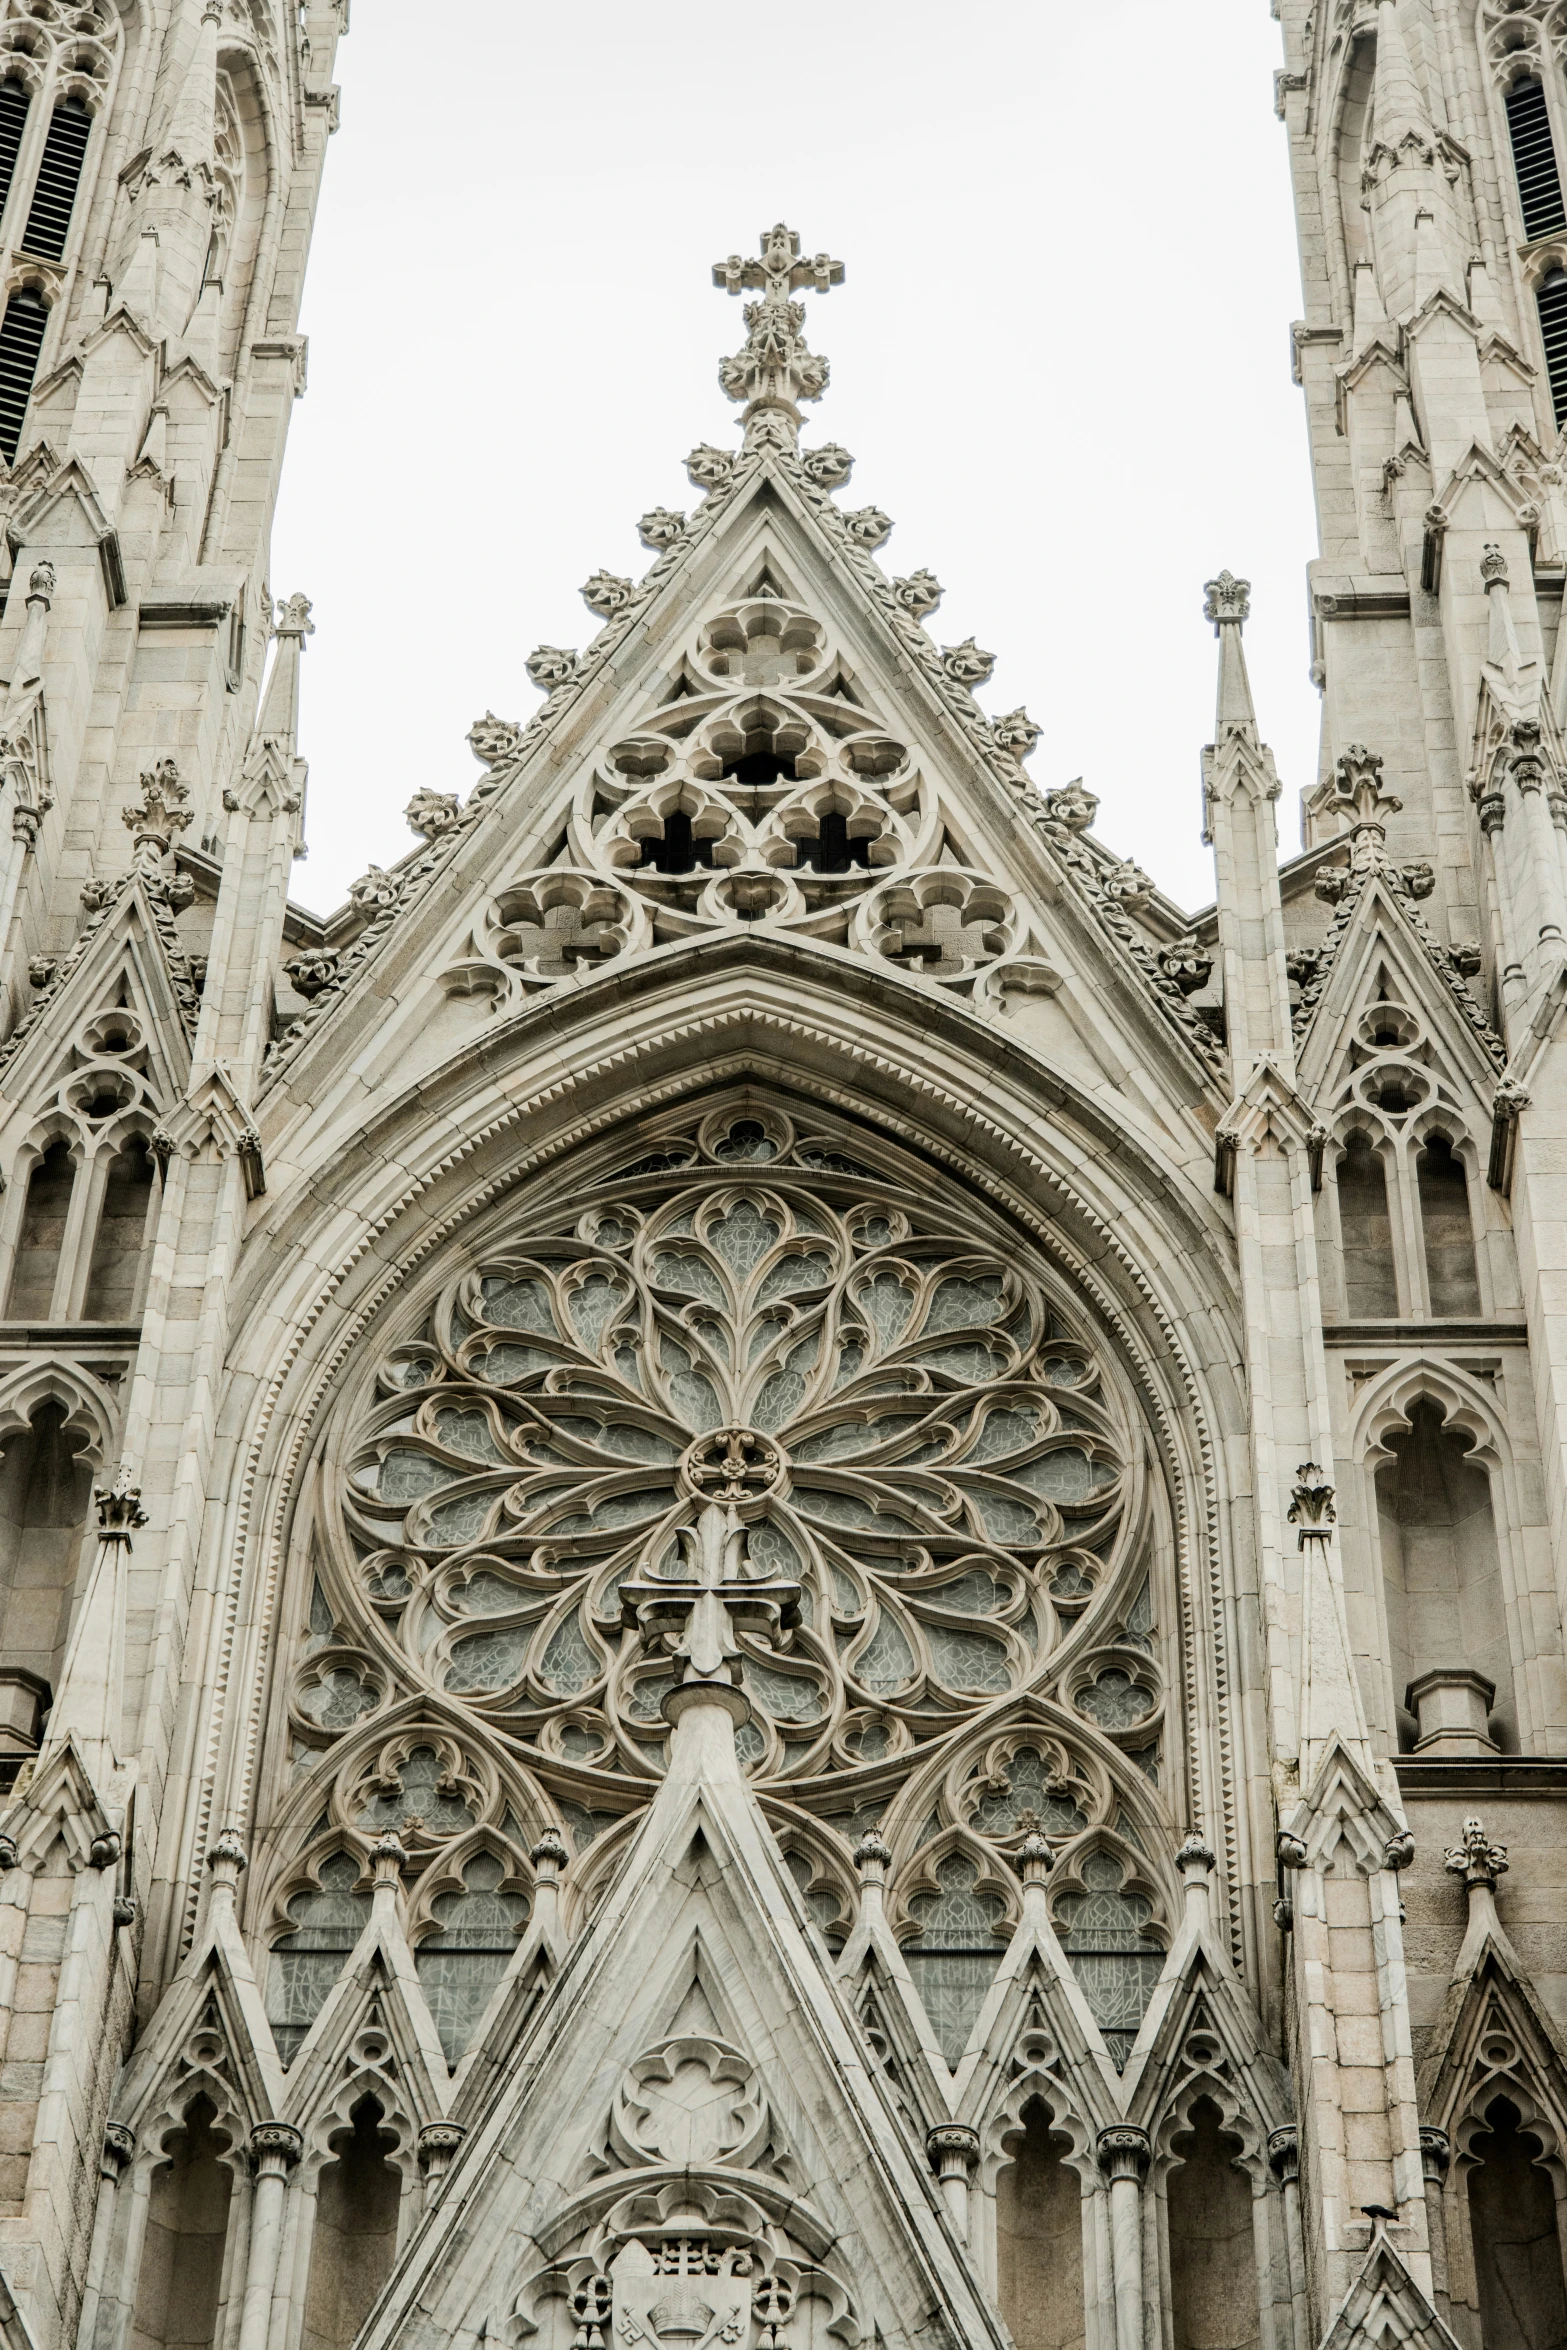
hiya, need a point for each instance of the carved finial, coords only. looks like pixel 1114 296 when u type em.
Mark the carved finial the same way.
pixel 293 618
pixel 775 371
pixel 227 1857
pixel 1226 598
pixel 163 811
pixel 1493 565
pixel 1195 1859
pixel 1035 1859
pixel 388 1858
pixel 549 1855
pixel 1475 1858
pixel 41 583
pixel 872 1857
pixel 1311 1509
pixel 119 1508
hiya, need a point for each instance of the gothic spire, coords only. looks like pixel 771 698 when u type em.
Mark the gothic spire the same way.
pixel 1227 603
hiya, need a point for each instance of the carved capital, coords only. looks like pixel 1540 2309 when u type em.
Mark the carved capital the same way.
pixel 953 2148
pixel 119 2144
pixel 1284 2154
pixel 1436 2153
pixel 439 2144
pixel 275 2147
pixel 1123 2153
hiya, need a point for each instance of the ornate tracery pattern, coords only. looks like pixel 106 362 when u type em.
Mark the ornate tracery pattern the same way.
pixel 899 1414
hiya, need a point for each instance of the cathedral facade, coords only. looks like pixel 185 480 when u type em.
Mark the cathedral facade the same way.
pixel 775 1570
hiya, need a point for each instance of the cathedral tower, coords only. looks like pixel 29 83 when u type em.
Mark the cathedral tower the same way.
pixel 775 1570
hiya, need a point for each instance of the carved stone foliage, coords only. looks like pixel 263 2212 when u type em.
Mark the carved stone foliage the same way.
pixel 763 792
pixel 907 1420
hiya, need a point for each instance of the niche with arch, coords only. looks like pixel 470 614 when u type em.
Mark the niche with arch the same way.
pixel 1443 1188
pixel 40 1244
pixel 1515 2237
pixel 45 1496
pixel 1214 2301
pixel 114 1278
pixel 1441 1566
pixel 1039 2238
pixel 357 2201
pixel 179 2285
pixel 1366 1232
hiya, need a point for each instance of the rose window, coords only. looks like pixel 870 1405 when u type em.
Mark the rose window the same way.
pixel 900 1415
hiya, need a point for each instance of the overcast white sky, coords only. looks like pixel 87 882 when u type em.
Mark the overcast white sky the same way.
pixel 1060 356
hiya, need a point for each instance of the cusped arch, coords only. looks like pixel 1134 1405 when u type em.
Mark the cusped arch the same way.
pixel 91 1413
pixel 1384 1409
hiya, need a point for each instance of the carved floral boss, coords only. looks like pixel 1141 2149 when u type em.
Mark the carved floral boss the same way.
pixel 878 1400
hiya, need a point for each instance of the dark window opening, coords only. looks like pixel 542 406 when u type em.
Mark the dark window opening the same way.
pixel 1534 160
pixel 21 340
pixel 1517 2244
pixel 54 197
pixel 678 851
pixel 757 768
pixel 1551 302
pixel 14 102
pixel 833 851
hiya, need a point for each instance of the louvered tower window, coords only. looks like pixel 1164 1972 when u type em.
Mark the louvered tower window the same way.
pixel 21 340
pixel 14 102
pixel 54 197
pixel 1534 160
pixel 1552 301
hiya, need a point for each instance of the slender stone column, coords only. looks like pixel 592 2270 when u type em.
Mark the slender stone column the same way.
pixel 275 2147
pixel 953 2148
pixel 1123 2159
pixel 1284 2161
pixel 119 2144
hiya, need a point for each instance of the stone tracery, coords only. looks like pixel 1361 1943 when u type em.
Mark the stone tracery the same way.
pixel 899 1413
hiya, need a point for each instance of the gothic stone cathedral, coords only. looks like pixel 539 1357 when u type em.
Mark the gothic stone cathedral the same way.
pixel 776 1573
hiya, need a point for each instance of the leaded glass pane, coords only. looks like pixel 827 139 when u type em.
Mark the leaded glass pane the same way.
pixel 307 1962
pixel 1104 1933
pixel 460 1964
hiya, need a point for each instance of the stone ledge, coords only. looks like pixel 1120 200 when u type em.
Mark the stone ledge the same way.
pixel 1481 1774
pixel 1403 1335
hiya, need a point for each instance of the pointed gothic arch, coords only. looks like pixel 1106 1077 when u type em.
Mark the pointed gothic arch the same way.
pixel 1428 1402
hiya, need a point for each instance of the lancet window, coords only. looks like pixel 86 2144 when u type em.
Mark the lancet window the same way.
pixel 57 68
pixel 1535 167
pixel 76 1223
pixel 1406 1180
